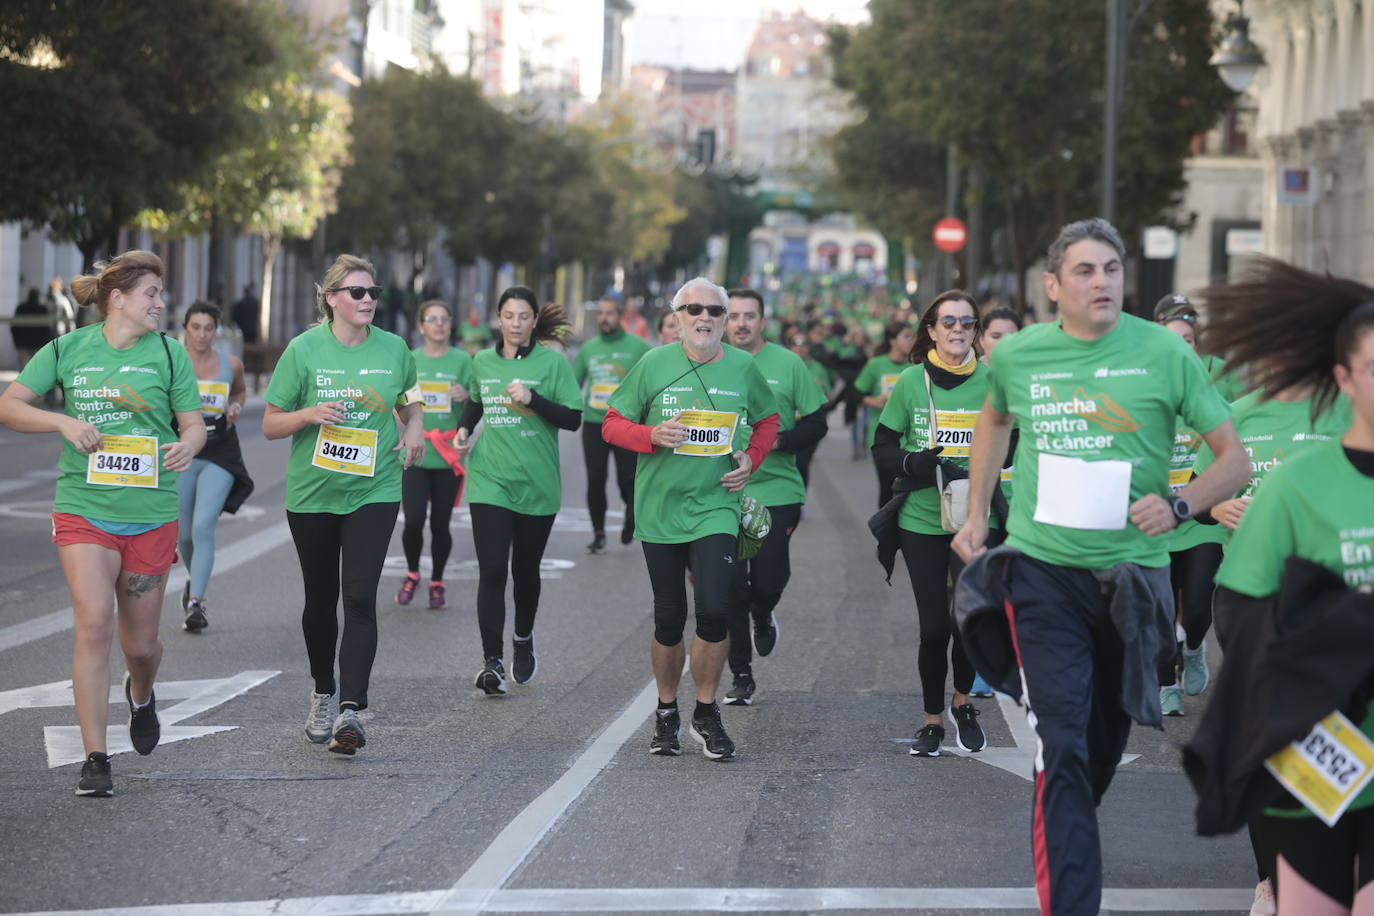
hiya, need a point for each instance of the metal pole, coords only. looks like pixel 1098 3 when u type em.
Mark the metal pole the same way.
pixel 1112 85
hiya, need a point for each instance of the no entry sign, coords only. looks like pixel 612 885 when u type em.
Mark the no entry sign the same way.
pixel 949 234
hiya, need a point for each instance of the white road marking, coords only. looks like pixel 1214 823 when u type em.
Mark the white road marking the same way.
pixel 693 899
pixel 549 567
pixel 226 558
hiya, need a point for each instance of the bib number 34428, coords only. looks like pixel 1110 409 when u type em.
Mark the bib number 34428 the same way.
pixel 346 450
pixel 123 461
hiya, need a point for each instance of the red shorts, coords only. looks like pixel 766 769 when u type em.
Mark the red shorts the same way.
pixel 151 553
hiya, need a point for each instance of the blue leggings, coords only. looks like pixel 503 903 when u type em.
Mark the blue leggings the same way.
pixel 202 490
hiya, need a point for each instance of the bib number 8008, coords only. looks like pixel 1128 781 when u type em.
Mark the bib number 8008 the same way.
pixel 713 436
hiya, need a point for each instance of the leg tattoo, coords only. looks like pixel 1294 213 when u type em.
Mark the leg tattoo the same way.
pixel 140 584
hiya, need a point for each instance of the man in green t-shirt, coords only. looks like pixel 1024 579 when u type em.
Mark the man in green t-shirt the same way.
pixel 1096 397
pixel 600 365
pixel 758 583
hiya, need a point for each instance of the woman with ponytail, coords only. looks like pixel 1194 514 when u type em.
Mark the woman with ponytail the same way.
pixel 526 392
pixel 131 426
pixel 1289 330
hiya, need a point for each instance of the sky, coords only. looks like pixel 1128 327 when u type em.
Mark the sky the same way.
pixel 712 34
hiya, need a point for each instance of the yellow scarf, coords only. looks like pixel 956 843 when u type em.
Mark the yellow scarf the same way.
pixel 966 369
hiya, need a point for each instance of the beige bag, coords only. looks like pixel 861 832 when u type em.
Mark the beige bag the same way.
pixel 954 494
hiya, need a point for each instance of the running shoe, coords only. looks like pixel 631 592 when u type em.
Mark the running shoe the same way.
pixel 742 693
pixel 524 664
pixel 348 733
pixel 406 594
pixel 1195 674
pixel 319 724
pixel 1264 904
pixel 144 728
pixel 981 688
pixel 710 732
pixel 436 596
pixel 598 544
pixel 1171 700
pixel 196 617
pixel 928 741
pixel 766 635
pixel 492 678
pixel 667 724
pixel 967 732
pixel 96 781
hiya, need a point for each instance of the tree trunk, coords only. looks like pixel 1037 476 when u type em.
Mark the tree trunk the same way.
pixel 217 270
pixel 1018 257
pixel 271 247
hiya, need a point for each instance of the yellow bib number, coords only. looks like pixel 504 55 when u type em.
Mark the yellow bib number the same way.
pixel 709 432
pixel 954 430
pixel 1328 768
pixel 346 450
pixel 888 383
pixel 436 397
pixel 214 398
pixel 600 395
pixel 1179 478
pixel 124 461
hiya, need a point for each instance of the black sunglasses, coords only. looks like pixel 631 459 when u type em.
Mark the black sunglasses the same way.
pixel 357 292
pixel 1190 317
pixel 696 308
pixel 949 321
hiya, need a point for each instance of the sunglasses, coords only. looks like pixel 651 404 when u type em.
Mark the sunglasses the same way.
pixel 1190 317
pixel 357 292
pixel 949 321
pixel 696 308
pixel 798 341
pixel 432 319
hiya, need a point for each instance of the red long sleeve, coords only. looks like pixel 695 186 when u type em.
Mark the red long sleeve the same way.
pixel 761 439
pixel 618 429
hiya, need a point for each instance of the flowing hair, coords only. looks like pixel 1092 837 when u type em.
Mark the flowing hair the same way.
pixel 550 322
pixel 1284 327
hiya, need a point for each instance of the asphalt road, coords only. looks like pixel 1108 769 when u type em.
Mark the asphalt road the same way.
pixel 545 800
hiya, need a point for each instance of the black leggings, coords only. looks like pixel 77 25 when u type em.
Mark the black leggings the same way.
pixel 804 463
pixel 1338 861
pixel 1191 573
pixel 342 553
pixel 885 479
pixel 758 584
pixel 930 564
pixel 712 561
pixel 501 536
pixel 433 489
pixel 597 452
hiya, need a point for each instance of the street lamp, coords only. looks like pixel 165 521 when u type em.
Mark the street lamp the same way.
pixel 1238 58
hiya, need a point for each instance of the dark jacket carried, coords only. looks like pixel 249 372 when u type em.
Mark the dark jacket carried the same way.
pixel 1289 663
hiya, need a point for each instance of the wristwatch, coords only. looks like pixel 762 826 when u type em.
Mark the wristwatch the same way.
pixel 1182 511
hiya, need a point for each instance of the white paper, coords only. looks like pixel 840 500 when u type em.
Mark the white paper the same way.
pixel 1089 495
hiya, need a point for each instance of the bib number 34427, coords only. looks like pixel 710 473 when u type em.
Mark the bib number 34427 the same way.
pixel 346 450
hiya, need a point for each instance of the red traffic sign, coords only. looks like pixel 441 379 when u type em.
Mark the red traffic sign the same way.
pixel 949 234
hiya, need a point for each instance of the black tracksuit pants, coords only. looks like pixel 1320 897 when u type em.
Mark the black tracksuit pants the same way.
pixel 758 583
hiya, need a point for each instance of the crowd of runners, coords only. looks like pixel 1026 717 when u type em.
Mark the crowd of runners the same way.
pixel 1078 503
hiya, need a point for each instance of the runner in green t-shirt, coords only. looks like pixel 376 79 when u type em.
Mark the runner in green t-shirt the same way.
pixel 684 408
pixel 777 484
pixel 1095 396
pixel 876 381
pixel 431 487
pixel 525 393
pixel 337 391
pixel 1318 506
pixel 601 363
pixel 115 516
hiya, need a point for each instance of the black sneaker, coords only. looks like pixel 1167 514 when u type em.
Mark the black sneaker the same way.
pixel 144 728
pixel 742 693
pixel 928 741
pixel 492 678
pixel 95 777
pixel 766 635
pixel 667 724
pixel 196 618
pixel 598 544
pixel 708 730
pixel 967 731
pixel 525 664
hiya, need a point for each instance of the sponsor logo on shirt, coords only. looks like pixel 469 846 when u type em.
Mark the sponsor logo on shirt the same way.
pixel 1043 376
pixel 137 369
pixel 714 390
pixel 374 372
pixel 1105 372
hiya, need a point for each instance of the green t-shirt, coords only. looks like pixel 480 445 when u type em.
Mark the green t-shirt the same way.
pixel 878 377
pixel 514 463
pixel 777 482
pixel 1316 506
pixel 908 413
pixel 601 364
pixel 337 468
pixel 678 496
pixel 823 377
pixel 1183 457
pixel 1080 403
pixel 131 392
pixel 1228 384
pixel 436 374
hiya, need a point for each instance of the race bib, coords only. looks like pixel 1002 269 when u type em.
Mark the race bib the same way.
pixel 888 383
pixel 1328 768
pixel 346 450
pixel 1178 479
pixel 954 430
pixel 600 395
pixel 709 432
pixel 214 398
pixel 1006 475
pixel 124 461
pixel 437 399
pixel 1087 495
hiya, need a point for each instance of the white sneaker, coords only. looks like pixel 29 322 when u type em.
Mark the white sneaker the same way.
pixel 1264 904
pixel 319 725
